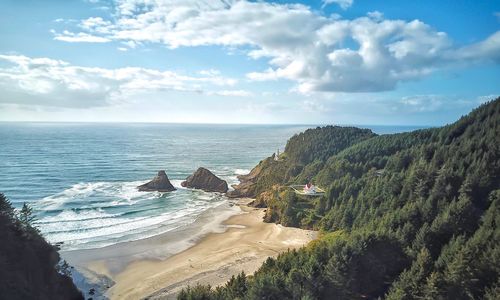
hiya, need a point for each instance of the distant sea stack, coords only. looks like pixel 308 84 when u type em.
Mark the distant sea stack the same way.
pixel 205 180
pixel 159 184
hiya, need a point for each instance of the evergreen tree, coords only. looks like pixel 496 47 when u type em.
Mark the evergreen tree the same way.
pixel 29 266
pixel 405 216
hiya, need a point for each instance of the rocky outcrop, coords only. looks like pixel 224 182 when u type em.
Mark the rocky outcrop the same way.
pixel 159 184
pixel 205 180
pixel 241 190
pixel 245 189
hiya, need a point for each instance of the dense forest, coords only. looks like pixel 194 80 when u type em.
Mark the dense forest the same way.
pixel 406 216
pixel 30 268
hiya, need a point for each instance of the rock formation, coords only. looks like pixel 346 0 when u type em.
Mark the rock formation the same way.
pixel 160 183
pixel 205 180
pixel 246 186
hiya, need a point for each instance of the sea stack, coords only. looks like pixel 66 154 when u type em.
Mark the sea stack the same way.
pixel 205 180
pixel 159 184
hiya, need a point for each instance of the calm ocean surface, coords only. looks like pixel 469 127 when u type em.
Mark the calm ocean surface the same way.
pixel 81 178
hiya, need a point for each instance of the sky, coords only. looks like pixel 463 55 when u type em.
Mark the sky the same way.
pixel 375 62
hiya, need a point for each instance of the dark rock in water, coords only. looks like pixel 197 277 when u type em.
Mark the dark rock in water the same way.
pixel 160 183
pixel 205 180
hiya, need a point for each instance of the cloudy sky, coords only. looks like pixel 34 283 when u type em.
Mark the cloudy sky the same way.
pixel 310 62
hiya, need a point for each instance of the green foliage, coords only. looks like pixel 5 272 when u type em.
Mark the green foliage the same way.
pixel 304 156
pixel 235 288
pixel 198 292
pixel 29 266
pixel 26 218
pixel 412 215
pixel 323 142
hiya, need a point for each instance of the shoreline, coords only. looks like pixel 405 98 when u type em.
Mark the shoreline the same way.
pixel 230 241
pixel 95 268
pixel 157 247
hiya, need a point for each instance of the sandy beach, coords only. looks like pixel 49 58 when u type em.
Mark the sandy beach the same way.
pixel 242 242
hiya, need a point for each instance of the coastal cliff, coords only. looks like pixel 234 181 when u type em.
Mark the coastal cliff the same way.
pixel 298 163
pixel 30 267
pixel 412 215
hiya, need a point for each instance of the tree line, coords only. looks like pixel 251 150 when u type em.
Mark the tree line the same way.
pixel 30 267
pixel 406 216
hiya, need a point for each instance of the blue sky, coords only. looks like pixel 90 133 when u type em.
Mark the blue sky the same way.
pixel 313 62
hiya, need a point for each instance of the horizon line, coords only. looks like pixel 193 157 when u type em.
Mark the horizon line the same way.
pixel 203 123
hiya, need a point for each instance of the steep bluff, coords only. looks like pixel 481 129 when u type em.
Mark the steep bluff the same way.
pixel 29 266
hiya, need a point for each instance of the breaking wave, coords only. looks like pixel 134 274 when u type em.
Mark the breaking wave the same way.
pixel 96 214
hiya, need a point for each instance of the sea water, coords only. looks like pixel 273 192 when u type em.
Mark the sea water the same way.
pixel 81 178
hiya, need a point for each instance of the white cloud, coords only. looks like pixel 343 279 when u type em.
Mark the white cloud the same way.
pixel 389 108
pixel 422 103
pixel 344 4
pixel 486 98
pixel 315 106
pixel 80 37
pixel 366 54
pixel 95 23
pixel 210 72
pixel 49 82
pixel 269 74
pixel 131 44
pixel 231 93
pixel 264 108
pixel 436 103
pixel 488 48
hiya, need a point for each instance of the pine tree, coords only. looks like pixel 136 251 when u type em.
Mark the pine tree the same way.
pixel 26 215
pixel 6 208
pixel 431 289
pixel 27 219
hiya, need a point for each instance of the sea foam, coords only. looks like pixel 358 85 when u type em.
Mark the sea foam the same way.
pixel 89 215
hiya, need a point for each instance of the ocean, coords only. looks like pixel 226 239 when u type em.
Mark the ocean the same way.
pixel 81 178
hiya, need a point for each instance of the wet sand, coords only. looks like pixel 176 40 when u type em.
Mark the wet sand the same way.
pixel 246 242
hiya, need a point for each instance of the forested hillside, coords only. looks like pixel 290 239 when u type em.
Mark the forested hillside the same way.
pixel 406 216
pixel 304 152
pixel 29 266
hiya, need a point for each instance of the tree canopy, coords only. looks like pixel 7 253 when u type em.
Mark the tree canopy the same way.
pixel 29 266
pixel 406 216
